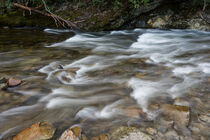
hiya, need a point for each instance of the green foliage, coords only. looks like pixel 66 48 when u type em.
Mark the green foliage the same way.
pixel 99 2
pixel 117 4
pixel 137 3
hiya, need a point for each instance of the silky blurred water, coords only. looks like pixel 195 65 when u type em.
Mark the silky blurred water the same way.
pixel 114 72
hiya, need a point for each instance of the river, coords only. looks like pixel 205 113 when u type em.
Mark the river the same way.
pixel 103 80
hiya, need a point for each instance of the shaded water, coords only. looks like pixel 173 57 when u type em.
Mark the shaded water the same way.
pixel 115 74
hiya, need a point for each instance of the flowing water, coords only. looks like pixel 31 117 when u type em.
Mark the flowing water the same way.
pixel 101 80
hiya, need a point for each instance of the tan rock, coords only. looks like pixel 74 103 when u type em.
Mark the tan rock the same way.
pixel 151 131
pixel 179 114
pixel 74 133
pixel 135 112
pixel 68 135
pixel 103 137
pixel 77 131
pixel 12 82
pixel 38 131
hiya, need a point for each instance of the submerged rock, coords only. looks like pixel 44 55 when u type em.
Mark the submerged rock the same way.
pixel 129 133
pixel 151 131
pixel 38 131
pixel 204 118
pixel 74 133
pixel 179 114
pixel 135 112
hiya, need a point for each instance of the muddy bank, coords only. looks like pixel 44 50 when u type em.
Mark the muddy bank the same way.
pixel 179 14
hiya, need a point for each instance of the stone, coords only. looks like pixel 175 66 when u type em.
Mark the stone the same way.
pixel 171 135
pixel 129 133
pixel 134 112
pixel 38 131
pixel 84 137
pixel 3 86
pixel 103 137
pixel 179 114
pixel 159 22
pixel 68 135
pixel 204 118
pixel 182 102
pixel 12 82
pixel 151 131
pixel 73 133
pixel 77 131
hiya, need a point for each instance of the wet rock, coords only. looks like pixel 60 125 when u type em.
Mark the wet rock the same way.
pixel 68 135
pixel 38 131
pixel 12 82
pixel 180 101
pixel 135 112
pixel 74 69
pixel 154 106
pixel 77 131
pixel 74 133
pixel 3 83
pixel 198 24
pixel 129 133
pixel 171 135
pixel 179 114
pixel 60 66
pixel 204 118
pixel 200 129
pixel 151 131
pixel 103 137
pixel 159 22
pixel 94 138
pixel 84 137
pixel 3 86
pixel 164 124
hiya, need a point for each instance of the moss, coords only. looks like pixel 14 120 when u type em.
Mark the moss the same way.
pixel 16 19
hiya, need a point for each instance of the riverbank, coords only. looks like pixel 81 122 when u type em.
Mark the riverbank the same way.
pixel 162 14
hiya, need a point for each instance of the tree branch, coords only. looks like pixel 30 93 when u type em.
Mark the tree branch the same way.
pixel 57 18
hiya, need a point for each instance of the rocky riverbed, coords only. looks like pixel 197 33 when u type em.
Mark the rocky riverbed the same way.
pixel 116 85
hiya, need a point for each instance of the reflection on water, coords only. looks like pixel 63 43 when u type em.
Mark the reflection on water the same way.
pixel 98 80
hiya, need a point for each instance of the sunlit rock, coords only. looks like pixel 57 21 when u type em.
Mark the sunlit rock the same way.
pixel 38 131
pixel 151 131
pixel 103 137
pixel 12 82
pixel 74 133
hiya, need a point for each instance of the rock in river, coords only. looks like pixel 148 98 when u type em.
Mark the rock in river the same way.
pixel 129 133
pixel 38 131
pixel 12 82
pixel 179 114
pixel 74 133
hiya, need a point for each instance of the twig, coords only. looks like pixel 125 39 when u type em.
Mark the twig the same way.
pixel 204 5
pixel 57 19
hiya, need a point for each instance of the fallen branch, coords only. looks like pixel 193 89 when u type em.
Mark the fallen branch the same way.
pixel 62 21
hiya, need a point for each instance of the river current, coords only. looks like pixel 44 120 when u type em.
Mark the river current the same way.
pixel 101 80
